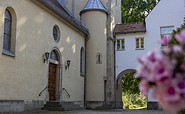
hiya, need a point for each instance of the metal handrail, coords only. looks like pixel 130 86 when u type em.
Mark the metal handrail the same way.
pixel 66 92
pixel 43 90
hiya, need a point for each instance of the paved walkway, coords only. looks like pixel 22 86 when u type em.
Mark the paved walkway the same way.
pixel 100 112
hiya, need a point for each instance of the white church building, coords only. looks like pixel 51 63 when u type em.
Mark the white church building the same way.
pixel 134 40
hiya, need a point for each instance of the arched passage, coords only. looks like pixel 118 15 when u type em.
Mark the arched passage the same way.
pixel 119 103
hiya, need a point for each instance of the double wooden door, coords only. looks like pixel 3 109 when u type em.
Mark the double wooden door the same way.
pixel 52 81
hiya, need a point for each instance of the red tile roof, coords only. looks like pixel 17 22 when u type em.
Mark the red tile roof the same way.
pixel 130 28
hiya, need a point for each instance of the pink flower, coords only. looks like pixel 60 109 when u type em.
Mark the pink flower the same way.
pixel 169 99
pixel 164 73
pixel 166 40
pixel 180 86
pixel 143 87
pixel 177 49
pixel 181 37
pixel 154 67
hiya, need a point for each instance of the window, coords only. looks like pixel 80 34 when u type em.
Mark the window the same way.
pixel 166 32
pixel 99 58
pixel 54 57
pixel 82 62
pixel 56 33
pixel 121 44
pixel 139 43
pixel 9 32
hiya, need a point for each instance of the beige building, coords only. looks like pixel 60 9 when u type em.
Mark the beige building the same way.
pixel 57 53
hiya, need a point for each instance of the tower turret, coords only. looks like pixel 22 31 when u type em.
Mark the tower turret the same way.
pixel 94 5
pixel 94 17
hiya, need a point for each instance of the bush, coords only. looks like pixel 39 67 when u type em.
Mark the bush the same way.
pixel 134 101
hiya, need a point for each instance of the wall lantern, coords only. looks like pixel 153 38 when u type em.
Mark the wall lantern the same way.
pixel 67 64
pixel 46 57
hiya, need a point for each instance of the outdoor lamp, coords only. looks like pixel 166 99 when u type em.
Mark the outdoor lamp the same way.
pixel 46 57
pixel 67 64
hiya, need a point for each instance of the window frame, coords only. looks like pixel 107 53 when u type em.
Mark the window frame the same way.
pixel 56 33
pixel 99 58
pixel 12 38
pixel 121 43
pixel 162 35
pixel 140 41
pixel 82 61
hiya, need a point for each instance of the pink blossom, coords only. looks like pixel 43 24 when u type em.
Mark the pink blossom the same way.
pixel 177 49
pixel 153 67
pixel 180 86
pixel 165 40
pixel 168 99
pixel 181 37
pixel 143 86
pixel 164 73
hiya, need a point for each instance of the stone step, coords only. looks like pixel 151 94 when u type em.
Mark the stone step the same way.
pixel 53 108
pixel 57 106
pixel 53 104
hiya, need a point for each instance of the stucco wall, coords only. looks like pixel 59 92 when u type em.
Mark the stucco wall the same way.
pixel 166 13
pixel 127 59
pixel 96 23
pixel 25 76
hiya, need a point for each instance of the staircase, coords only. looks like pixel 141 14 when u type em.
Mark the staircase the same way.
pixel 57 106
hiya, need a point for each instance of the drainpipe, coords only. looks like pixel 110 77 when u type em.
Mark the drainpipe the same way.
pixel 85 86
pixel 114 70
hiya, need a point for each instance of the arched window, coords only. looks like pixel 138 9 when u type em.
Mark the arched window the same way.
pixel 82 62
pixel 9 32
pixel 53 56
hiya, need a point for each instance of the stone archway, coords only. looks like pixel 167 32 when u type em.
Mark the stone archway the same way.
pixel 119 103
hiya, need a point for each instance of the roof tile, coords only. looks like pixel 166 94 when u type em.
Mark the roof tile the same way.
pixel 130 28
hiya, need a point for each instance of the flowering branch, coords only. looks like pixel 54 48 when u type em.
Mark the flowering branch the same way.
pixel 164 72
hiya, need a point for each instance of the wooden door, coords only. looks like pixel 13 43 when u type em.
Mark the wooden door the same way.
pixel 52 82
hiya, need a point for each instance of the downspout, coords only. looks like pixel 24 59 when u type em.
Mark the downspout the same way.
pixel 85 81
pixel 115 102
pixel 85 77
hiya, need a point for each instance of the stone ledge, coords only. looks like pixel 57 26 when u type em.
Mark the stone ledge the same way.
pixel 12 106
pixel 100 105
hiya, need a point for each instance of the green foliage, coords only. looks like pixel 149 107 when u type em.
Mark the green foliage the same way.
pixel 131 98
pixel 134 101
pixel 130 84
pixel 136 10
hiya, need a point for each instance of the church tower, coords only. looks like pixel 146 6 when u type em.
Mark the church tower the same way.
pixel 94 17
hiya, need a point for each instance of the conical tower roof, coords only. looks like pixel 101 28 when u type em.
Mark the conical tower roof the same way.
pixel 94 5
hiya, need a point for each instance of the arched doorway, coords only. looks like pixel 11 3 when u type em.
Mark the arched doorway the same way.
pixel 119 87
pixel 127 91
pixel 54 77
